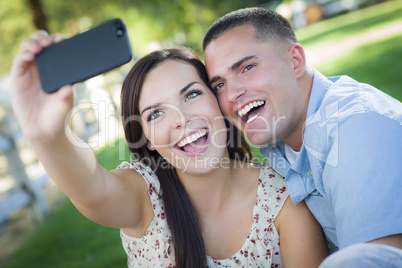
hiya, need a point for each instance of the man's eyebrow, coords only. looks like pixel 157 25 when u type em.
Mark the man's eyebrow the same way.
pixel 233 67
pixel 240 62
pixel 158 104
pixel 214 79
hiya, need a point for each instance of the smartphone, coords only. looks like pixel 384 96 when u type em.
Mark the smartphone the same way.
pixel 83 56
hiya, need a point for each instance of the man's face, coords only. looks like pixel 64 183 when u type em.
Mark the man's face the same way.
pixel 256 84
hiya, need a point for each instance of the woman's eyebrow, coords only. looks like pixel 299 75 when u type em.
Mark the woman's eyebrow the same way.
pixel 187 87
pixel 158 104
pixel 150 107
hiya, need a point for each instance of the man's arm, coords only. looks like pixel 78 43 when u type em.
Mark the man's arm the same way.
pixel 392 240
pixel 364 185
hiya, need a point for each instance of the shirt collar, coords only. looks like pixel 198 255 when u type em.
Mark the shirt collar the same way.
pixel 300 180
pixel 320 86
pixel 275 155
pixel 299 175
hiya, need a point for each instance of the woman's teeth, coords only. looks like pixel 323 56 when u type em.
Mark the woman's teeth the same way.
pixel 192 138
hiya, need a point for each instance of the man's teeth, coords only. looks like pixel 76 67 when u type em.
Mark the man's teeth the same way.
pixel 192 138
pixel 248 107
pixel 251 119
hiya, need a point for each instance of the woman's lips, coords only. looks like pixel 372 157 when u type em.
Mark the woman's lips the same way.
pixel 194 143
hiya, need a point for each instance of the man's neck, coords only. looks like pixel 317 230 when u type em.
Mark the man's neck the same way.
pixel 295 139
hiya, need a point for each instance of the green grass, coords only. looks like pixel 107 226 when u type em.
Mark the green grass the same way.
pixel 376 63
pixel 68 239
pixel 359 22
pixel 110 157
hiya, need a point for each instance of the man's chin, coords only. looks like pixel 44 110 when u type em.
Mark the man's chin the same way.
pixel 259 139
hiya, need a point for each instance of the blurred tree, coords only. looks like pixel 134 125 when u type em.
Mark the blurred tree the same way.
pixel 16 24
pixel 181 22
pixel 39 18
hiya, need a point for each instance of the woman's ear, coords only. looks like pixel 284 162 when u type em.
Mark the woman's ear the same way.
pixel 296 51
pixel 150 146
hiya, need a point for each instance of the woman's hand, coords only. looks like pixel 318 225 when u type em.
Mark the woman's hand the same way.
pixel 116 199
pixel 41 116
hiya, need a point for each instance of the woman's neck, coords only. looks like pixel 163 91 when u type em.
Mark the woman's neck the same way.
pixel 210 191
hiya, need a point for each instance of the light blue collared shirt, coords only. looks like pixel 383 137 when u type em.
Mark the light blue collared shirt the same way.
pixel 349 169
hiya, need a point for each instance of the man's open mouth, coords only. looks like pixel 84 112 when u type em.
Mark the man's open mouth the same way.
pixel 250 112
pixel 196 142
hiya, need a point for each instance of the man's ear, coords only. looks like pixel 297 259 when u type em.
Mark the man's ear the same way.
pixel 296 51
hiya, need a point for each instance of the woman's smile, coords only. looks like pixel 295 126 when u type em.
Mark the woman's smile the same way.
pixel 194 143
pixel 181 117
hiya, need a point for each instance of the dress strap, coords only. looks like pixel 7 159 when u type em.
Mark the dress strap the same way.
pixel 154 192
pixel 147 173
pixel 272 194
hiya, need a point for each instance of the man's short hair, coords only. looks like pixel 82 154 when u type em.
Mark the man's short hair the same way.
pixel 267 23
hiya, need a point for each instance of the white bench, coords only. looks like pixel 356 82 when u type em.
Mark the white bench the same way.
pixel 26 193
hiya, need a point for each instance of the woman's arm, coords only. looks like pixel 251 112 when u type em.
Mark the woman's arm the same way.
pixel 301 238
pixel 115 199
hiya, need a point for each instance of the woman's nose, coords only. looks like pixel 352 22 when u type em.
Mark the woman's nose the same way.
pixel 179 117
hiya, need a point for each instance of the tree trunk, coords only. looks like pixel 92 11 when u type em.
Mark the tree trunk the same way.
pixel 39 17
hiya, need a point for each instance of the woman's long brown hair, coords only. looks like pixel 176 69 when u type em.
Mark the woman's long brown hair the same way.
pixel 181 215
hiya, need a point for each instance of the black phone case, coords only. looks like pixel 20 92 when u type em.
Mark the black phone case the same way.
pixel 83 56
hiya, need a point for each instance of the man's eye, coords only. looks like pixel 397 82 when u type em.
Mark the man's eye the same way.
pixel 219 86
pixel 192 94
pixel 154 114
pixel 248 68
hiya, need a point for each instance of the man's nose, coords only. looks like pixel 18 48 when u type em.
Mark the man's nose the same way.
pixel 235 90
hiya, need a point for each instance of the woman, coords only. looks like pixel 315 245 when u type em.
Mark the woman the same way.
pixel 192 201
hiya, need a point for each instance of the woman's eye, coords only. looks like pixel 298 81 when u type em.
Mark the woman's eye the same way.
pixel 248 68
pixel 154 114
pixel 192 94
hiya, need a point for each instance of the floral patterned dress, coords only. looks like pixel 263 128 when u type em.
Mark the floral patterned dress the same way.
pixel 261 248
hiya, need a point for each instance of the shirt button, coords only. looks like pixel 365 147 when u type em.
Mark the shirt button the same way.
pixel 309 173
pixel 331 246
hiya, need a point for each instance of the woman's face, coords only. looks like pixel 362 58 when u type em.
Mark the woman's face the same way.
pixel 181 118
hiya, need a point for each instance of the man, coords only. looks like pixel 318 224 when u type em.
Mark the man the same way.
pixel 338 142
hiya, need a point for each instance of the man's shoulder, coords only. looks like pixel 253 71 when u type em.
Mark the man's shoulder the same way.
pixel 347 97
pixel 347 108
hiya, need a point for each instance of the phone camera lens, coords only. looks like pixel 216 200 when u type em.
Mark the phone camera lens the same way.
pixel 119 29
